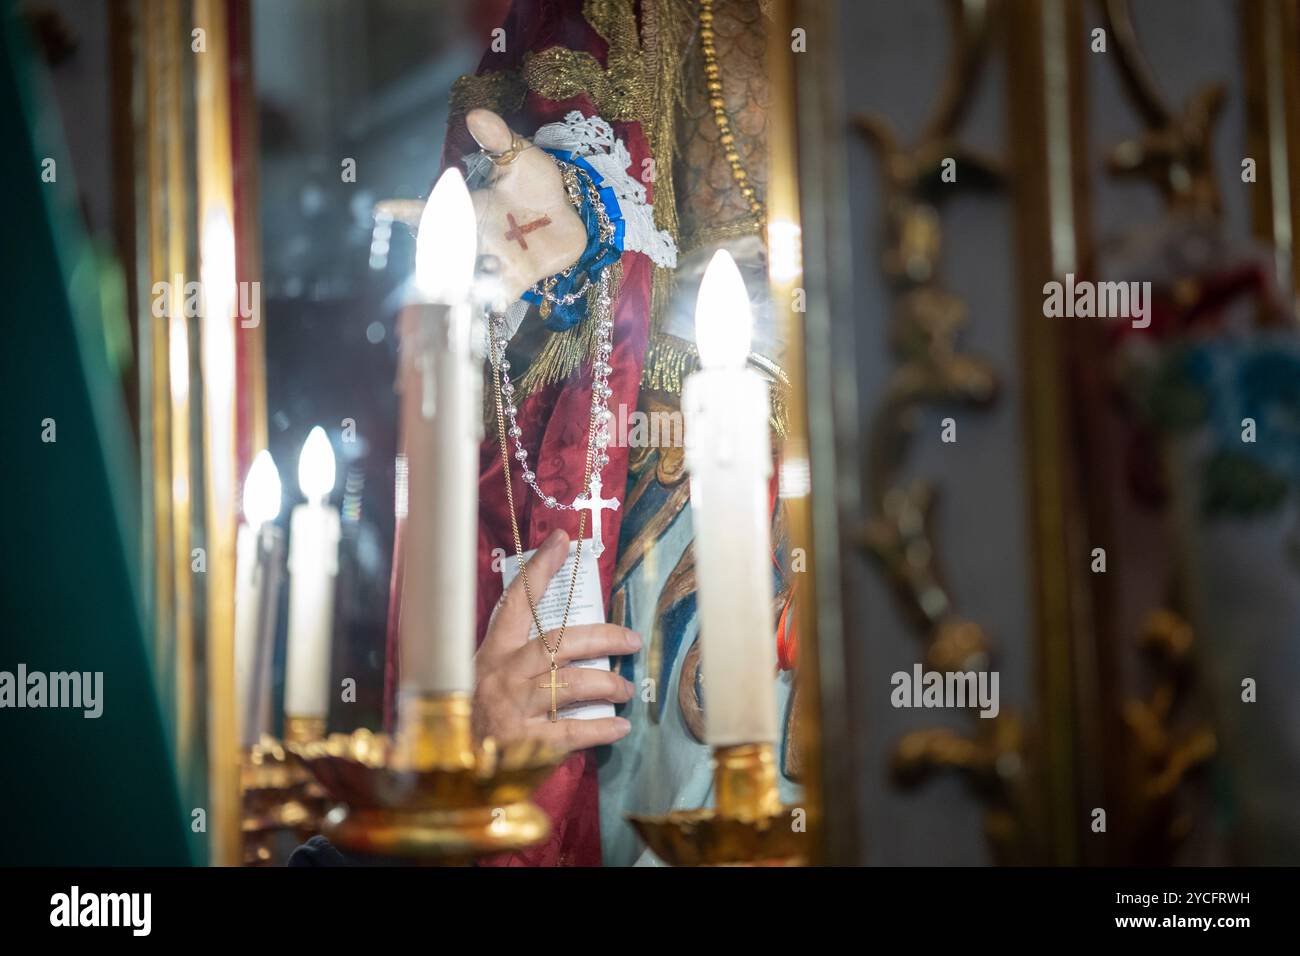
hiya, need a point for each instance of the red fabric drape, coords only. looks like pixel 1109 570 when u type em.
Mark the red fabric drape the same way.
pixel 554 422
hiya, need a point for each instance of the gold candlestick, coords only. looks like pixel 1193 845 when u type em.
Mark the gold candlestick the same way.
pixel 747 826
pixel 434 732
pixel 744 781
pixel 427 793
pixel 300 730
pixel 278 795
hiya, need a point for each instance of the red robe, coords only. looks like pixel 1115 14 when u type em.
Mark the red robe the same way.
pixel 554 421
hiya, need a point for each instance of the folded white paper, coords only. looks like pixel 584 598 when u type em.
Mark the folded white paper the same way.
pixel 588 608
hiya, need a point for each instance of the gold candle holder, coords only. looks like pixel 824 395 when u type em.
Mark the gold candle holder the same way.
pixel 300 730
pixel 434 732
pixel 427 793
pixel 277 795
pixel 747 826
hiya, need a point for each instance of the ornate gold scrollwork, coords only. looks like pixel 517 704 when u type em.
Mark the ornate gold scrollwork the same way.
pixel 931 370
pixel 1175 153
pixel 1175 150
pixel 1163 758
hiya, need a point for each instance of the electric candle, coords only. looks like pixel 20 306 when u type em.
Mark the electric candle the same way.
pixel 441 430
pixel 729 456
pixel 313 564
pixel 257 583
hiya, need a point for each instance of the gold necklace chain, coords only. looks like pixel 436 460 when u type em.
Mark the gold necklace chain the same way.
pixel 514 521
pixel 726 134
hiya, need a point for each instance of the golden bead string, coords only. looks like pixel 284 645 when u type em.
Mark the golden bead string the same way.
pixel 726 134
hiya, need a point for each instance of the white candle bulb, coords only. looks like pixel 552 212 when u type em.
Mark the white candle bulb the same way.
pixel 178 356
pixel 257 581
pixel 313 563
pixel 316 466
pixel 262 491
pixel 441 383
pixel 217 266
pixel 446 245
pixel 728 453
pixel 723 320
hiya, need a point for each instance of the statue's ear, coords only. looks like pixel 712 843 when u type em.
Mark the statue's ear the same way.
pixel 489 130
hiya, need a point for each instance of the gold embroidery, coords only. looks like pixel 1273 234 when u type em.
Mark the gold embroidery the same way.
pixel 641 82
pixel 668 25
pixel 716 235
pixel 779 418
pixel 500 92
pixel 615 21
pixel 669 360
pixel 663 283
pixel 561 74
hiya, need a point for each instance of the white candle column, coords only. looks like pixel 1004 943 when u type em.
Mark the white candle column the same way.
pixel 258 552
pixel 728 454
pixel 313 564
pixel 442 412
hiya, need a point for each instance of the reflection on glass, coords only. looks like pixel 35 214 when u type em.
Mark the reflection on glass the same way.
pixel 605 217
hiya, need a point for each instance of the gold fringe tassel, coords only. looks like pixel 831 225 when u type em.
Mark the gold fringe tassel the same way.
pixel 668 360
pixel 566 352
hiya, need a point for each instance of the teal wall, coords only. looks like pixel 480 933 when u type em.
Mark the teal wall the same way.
pixel 72 790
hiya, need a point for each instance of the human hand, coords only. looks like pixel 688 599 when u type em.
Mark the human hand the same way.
pixel 510 704
pixel 524 216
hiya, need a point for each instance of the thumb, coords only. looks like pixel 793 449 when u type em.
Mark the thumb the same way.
pixel 489 130
pixel 548 559
pixel 513 617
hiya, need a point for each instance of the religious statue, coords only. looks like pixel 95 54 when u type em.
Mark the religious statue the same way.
pixel 613 147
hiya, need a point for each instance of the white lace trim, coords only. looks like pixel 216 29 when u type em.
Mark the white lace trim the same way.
pixel 593 139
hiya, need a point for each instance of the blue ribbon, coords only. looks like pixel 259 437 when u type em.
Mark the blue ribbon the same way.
pixel 596 256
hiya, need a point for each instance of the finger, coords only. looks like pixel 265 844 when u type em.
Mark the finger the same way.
pixel 573 734
pixel 489 130
pixel 580 642
pixel 513 618
pixel 579 684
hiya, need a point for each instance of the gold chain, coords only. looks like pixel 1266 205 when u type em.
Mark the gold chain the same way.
pixel 726 135
pixel 514 521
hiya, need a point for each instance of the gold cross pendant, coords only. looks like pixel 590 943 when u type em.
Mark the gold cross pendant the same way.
pixel 553 687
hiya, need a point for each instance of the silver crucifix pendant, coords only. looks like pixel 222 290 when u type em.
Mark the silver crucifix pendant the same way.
pixel 593 502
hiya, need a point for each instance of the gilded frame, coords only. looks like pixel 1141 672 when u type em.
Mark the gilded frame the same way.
pixel 190 394
pixel 181 144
